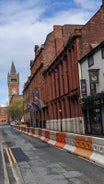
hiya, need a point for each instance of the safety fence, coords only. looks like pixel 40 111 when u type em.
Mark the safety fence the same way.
pixel 89 147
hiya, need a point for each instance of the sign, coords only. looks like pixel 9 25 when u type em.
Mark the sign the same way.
pixel 94 75
pixel 83 87
pixel 36 93
pixel 36 103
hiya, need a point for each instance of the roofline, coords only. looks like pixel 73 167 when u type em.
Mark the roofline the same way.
pixel 91 52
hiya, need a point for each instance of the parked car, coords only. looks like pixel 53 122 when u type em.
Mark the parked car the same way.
pixel 13 123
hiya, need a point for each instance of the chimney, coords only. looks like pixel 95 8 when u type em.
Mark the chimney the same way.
pixel 36 50
pixel 42 46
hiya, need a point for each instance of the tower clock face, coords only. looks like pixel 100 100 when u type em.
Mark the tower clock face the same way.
pixel 14 92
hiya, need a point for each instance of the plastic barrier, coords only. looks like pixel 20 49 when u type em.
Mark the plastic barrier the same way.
pixel 60 139
pixel 32 131
pixel 47 135
pixel 39 132
pixel 83 146
pixel 70 142
pixel 88 147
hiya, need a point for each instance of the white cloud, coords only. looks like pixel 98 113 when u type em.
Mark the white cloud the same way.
pixel 26 23
pixel 89 5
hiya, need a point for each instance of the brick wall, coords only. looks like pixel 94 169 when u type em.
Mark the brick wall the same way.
pixel 92 32
pixel 3 115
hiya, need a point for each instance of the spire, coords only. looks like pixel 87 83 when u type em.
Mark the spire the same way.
pixel 13 69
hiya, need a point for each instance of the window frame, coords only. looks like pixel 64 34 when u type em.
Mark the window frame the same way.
pixel 90 60
pixel 102 52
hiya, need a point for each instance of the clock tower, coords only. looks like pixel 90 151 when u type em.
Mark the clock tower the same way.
pixel 13 82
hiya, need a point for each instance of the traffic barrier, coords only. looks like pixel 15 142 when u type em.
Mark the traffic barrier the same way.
pixel 52 138
pixel 47 136
pixel 28 130
pixel 24 129
pixel 36 132
pixel 83 146
pixel 88 147
pixel 42 134
pixel 39 132
pixel 32 131
pixel 70 142
pixel 98 150
pixel 60 139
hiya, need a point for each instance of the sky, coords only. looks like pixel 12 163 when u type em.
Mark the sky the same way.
pixel 26 23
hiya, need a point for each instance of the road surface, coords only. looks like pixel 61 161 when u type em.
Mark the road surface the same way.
pixel 28 160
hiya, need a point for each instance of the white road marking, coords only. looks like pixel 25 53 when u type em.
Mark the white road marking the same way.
pixel 6 179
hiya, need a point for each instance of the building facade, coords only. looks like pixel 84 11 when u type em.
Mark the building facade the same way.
pixel 62 89
pixel 13 82
pixel 60 74
pixel 13 90
pixel 3 116
pixel 44 56
pixel 92 89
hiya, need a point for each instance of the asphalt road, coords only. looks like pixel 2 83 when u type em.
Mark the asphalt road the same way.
pixel 28 160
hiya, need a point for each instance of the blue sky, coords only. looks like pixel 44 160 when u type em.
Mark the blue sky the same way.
pixel 26 23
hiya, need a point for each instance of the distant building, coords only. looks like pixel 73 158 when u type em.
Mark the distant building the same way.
pixel 13 85
pixel 92 89
pixel 13 82
pixel 13 89
pixel 3 115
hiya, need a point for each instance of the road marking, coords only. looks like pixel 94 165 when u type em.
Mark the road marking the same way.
pixel 12 160
pixel 10 156
pixel 6 179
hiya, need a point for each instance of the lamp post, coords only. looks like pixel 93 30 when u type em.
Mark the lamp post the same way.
pixel 60 110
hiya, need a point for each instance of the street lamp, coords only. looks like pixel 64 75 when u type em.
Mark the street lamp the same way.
pixel 60 111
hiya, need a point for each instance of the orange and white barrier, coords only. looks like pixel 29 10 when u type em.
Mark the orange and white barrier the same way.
pixel 89 147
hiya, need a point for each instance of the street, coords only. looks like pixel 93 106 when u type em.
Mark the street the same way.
pixel 28 160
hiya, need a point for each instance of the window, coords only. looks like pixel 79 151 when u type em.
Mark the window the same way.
pixel 95 114
pixel 94 79
pixel 102 52
pixel 92 88
pixel 13 80
pixel 90 61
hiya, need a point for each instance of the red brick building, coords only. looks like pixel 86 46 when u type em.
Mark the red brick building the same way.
pixel 61 90
pixel 13 82
pixel 3 116
pixel 44 56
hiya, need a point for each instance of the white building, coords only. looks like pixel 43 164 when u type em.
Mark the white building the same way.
pixel 91 72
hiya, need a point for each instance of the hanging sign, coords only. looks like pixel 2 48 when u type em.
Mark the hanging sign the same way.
pixel 83 87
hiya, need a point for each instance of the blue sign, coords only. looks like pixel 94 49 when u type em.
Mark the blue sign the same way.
pixel 36 93
pixel 36 103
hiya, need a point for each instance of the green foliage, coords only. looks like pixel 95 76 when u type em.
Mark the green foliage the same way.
pixel 94 97
pixel 15 109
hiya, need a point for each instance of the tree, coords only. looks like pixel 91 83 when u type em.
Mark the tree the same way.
pixel 15 109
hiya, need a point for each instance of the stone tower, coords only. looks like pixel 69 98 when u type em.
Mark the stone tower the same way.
pixel 13 82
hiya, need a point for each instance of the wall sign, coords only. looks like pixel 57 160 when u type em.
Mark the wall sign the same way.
pixel 94 75
pixel 83 87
